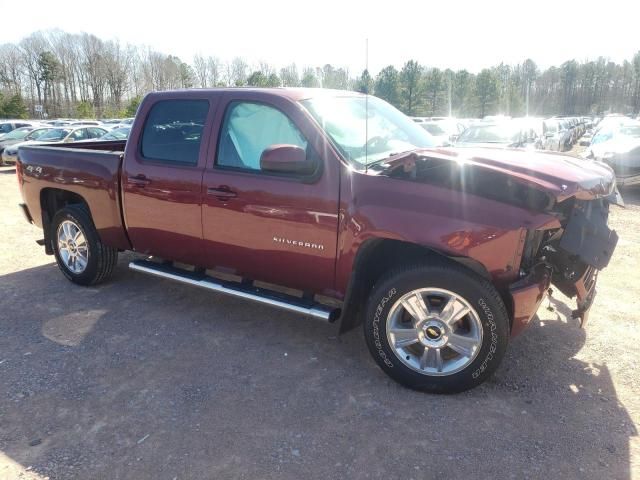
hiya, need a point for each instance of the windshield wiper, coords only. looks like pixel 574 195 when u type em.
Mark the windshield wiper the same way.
pixel 392 154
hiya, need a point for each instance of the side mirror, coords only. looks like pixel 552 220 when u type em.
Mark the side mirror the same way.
pixel 283 158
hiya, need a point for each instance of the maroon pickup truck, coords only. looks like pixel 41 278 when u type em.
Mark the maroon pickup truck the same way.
pixel 332 205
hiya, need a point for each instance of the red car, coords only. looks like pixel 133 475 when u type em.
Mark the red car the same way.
pixel 441 254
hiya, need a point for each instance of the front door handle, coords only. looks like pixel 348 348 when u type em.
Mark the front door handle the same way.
pixel 222 193
pixel 138 181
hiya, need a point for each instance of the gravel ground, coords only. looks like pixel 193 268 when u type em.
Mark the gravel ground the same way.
pixel 141 378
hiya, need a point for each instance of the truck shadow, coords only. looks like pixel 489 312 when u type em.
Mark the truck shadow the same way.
pixel 142 378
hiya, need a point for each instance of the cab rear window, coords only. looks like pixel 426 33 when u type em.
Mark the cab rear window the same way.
pixel 173 131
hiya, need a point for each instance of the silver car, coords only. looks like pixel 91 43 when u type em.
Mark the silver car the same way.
pixel 556 134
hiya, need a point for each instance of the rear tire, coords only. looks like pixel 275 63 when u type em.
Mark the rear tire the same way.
pixel 85 261
pixel 450 341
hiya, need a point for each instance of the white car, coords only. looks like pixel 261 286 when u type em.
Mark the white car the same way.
pixel 613 140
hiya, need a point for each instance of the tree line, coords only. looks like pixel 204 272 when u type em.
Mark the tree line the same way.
pixel 81 75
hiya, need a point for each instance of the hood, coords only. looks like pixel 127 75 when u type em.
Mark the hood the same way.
pixel 557 175
pixel 483 145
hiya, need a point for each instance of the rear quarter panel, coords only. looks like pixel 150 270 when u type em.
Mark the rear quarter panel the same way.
pixel 90 173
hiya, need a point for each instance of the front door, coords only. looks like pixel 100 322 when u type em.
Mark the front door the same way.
pixel 162 178
pixel 275 228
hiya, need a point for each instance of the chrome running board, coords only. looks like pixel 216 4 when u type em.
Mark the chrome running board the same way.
pixel 260 295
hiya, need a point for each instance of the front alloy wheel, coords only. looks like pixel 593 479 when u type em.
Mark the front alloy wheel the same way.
pixel 434 331
pixel 439 328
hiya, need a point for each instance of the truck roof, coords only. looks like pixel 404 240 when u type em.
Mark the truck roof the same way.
pixel 292 93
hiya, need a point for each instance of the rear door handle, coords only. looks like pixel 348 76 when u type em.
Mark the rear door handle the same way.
pixel 138 181
pixel 222 193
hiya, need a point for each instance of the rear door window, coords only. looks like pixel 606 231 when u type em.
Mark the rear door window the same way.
pixel 173 131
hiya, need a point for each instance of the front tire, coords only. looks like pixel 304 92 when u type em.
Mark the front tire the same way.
pixel 79 252
pixel 436 328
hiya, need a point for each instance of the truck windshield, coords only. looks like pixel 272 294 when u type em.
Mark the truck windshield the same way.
pixel 366 133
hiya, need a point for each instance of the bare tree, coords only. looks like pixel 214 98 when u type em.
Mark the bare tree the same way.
pixel 31 48
pixel 201 70
pixel 117 63
pixel 289 76
pixel 11 68
pixel 93 60
pixel 214 67
pixel 62 45
pixel 238 72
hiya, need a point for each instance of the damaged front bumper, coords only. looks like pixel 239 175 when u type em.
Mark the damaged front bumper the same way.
pixel 527 294
pixel 585 292
pixel 570 260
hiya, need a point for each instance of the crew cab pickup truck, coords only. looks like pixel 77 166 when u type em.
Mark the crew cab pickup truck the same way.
pixel 335 206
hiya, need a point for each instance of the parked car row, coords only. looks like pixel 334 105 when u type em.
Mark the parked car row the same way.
pixel 6 126
pixel 494 131
pixel 109 124
pixel 555 133
pixel 32 133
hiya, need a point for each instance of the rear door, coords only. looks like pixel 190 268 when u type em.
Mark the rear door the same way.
pixel 272 227
pixel 162 175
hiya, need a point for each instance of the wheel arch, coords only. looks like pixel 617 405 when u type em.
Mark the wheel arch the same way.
pixel 374 258
pixel 51 201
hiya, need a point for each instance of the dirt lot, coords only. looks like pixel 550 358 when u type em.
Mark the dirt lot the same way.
pixel 145 379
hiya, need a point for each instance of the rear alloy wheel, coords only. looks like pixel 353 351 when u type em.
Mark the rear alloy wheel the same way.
pixel 437 328
pixel 79 252
pixel 72 247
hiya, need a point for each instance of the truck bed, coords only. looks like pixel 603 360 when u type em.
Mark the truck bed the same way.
pixel 89 169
